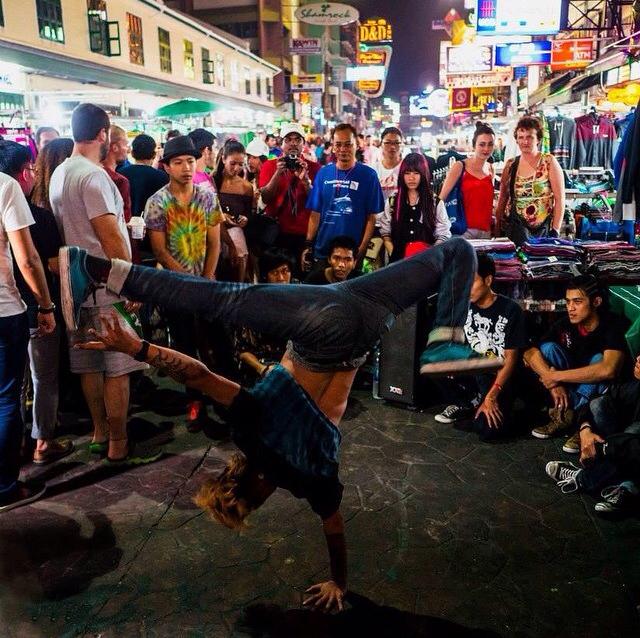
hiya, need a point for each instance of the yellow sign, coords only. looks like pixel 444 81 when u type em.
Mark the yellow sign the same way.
pixel 376 30
pixel 374 57
pixel 369 85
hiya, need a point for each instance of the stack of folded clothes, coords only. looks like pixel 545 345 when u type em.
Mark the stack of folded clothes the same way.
pixel 612 259
pixel 503 251
pixel 550 258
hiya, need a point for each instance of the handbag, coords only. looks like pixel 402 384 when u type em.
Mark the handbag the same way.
pixel 455 209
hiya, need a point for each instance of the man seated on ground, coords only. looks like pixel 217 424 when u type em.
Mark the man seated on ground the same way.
pixel 495 328
pixel 341 263
pixel 610 414
pixel 256 353
pixel 579 356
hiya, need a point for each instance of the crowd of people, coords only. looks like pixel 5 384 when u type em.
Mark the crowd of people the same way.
pixel 258 220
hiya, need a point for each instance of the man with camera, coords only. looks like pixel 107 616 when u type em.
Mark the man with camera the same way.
pixel 284 183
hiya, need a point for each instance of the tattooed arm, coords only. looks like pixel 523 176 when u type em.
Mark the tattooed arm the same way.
pixel 178 366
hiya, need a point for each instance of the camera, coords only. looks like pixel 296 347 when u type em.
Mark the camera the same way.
pixel 291 162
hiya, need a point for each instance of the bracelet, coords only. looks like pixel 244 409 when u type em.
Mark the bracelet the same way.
pixel 142 354
pixel 584 426
pixel 47 311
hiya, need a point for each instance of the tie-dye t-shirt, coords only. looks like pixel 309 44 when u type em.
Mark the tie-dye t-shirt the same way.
pixel 185 226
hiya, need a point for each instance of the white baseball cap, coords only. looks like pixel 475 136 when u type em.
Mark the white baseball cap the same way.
pixel 257 148
pixel 291 127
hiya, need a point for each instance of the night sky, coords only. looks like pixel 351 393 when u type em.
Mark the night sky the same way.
pixel 416 48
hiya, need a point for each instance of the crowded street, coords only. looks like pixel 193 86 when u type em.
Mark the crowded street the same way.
pixel 319 319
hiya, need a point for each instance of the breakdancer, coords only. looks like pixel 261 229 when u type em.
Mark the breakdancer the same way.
pixel 286 424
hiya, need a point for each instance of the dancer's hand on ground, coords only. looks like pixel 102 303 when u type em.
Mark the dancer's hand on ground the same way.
pixel 112 337
pixel 489 407
pixel 560 398
pixel 588 440
pixel 325 597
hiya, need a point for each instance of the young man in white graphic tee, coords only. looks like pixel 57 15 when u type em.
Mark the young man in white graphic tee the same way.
pixel 495 328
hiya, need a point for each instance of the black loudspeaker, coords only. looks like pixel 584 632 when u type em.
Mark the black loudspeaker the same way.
pixel 400 350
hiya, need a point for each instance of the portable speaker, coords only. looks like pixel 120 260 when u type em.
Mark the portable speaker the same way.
pixel 400 351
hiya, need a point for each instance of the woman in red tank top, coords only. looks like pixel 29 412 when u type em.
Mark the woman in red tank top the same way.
pixel 477 183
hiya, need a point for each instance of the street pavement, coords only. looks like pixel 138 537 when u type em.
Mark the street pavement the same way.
pixel 446 536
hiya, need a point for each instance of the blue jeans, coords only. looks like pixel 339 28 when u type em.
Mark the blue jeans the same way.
pixel 556 356
pixel 14 339
pixel 332 327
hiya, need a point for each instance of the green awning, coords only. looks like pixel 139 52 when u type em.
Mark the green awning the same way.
pixel 189 106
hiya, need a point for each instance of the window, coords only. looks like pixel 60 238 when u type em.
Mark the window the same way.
pixel 189 62
pixel 104 36
pixel 207 67
pixel 136 50
pixel 233 72
pixel 1 15
pixel 164 42
pixel 258 85
pixel 50 20
pixel 269 90
pixel 219 69
pixel 247 80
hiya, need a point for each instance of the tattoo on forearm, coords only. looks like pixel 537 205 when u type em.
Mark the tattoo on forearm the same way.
pixel 176 366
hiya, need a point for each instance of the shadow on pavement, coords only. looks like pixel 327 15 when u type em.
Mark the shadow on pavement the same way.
pixel 364 618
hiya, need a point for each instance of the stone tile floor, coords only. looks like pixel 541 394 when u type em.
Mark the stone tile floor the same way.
pixel 447 537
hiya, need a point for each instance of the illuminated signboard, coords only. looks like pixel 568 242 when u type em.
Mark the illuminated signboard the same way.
pixel 527 17
pixel 356 73
pixel 524 54
pixel 376 30
pixel 469 58
pixel 375 57
pixel 571 54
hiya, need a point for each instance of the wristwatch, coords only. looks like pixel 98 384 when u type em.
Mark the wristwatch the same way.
pixel 47 311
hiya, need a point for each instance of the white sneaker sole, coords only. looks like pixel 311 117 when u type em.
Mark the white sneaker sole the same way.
pixel 460 367
pixel 570 450
pixel 539 435
pixel 65 290
pixel 443 419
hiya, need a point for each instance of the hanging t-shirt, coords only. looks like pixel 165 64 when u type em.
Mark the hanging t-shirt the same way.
pixel 490 331
pixel 344 199
pixel 185 226
pixel 14 215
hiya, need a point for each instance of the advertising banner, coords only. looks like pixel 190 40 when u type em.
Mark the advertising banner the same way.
pixel 375 31
pixel 571 54
pixel 469 58
pixel 305 46
pixel 524 53
pixel 516 17
pixel 327 14
pixel 307 83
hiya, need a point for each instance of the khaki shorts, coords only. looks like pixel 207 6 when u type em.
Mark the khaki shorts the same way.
pixel 112 364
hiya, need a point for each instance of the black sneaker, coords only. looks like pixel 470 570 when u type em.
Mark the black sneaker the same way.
pixel 565 475
pixel 24 494
pixel 617 499
pixel 453 413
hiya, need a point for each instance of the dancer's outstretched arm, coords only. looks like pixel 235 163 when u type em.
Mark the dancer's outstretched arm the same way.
pixel 178 366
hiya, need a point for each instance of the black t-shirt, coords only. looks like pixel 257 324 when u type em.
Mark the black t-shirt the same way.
pixel 609 335
pixel 47 242
pixel 490 331
pixel 318 277
pixel 144 181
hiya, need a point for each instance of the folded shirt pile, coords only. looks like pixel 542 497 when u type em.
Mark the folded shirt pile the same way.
pixel 503 251
pixel 550 258
pixel 615 259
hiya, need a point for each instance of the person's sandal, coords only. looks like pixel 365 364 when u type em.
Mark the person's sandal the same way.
pixel 55 451
pixel 98 447
pixel 132 459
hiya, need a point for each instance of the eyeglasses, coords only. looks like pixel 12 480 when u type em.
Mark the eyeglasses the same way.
pixel 392 143
pixel 343 144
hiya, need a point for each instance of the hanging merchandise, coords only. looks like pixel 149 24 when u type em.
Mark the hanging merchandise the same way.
pixel 626 128
pixel 629 190
pixel 595 135
pixel 562 139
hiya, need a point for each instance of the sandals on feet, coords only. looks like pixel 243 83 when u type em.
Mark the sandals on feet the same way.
pixel 132 458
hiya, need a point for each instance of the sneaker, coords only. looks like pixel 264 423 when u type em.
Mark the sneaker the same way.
pixel 565 475
pixel 24 494
pixel 55 451
pixel 453 413
pixel 558 421
pixel 75 283
pixel 616 499
pixel 449 357
pixel 572 444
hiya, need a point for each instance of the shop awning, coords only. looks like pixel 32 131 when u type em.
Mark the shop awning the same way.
pixel 188 106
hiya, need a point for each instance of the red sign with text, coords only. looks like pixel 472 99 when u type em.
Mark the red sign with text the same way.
pixel 571 54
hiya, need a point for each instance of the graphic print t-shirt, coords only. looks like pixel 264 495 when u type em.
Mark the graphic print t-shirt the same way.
pixel 490 331
pixel 185 226
pixel 344 200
